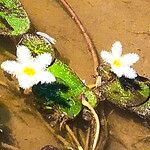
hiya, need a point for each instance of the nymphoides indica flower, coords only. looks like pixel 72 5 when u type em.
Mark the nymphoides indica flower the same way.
pixel 29 70
pixel 120 64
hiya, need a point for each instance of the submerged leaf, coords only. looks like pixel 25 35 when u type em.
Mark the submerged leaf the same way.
pixel 13 18
pixel 143 110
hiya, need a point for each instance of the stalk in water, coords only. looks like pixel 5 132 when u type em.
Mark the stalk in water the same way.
pixel 74 138
pixel 85 103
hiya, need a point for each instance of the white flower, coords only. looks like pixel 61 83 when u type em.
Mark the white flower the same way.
pixel 120 65
pixel 46 37
pixel 29 70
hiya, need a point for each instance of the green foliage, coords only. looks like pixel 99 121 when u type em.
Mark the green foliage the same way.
pixel 63 72
pixel 37 44
pixel 67 90
pixel 13 18
pixel 143 110
pixel 117 94
pixel 58 93
pixel 129 94
pixel 122 96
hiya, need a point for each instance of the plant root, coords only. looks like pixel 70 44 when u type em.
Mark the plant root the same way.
pixel 87 139
pixel 73 137
pixel 104 133
pixel 96 137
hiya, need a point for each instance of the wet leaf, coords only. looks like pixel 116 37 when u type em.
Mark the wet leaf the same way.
pixel 66 91
pixel 127 93
pixel 13 18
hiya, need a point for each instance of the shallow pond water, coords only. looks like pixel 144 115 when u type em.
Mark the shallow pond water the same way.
pixel 106 21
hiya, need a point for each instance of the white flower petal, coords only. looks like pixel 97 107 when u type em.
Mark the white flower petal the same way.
pixel 129 59
pixel 116 49
pixel 46 37
pixel 26 82
pixel 43 60
pixel 106 56
pixel 11 67
pixel 118 71
pixel 129 73
pixel 23 54
pixel 28 70
pixel 46 77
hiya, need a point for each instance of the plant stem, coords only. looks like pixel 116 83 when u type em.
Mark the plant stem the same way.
pixel 85 103
pixel 74 138
pixel 9 146
pixel 87 139
pixel 104 134
pixel 87 37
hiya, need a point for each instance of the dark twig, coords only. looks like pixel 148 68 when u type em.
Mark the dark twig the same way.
pixel 143 32
pixel 87 37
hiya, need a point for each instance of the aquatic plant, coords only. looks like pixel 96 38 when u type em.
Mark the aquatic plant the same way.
pixel 13 18
pixel 126 93
pixel 120 65
pixel 67 89
pixel 60 87
pixel 29 70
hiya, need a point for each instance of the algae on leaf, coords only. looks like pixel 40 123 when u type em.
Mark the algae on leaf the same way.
pixel 144 109
pixel 13 18
pixel 128 94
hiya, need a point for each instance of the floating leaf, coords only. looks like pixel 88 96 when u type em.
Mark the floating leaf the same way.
pixel 67 90
pixel 129 94
pixel 143 110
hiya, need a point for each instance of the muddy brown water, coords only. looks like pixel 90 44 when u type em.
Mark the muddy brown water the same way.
pixel 106 21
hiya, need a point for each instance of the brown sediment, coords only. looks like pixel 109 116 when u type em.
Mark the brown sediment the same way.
pixel 87 37
pixel 106 21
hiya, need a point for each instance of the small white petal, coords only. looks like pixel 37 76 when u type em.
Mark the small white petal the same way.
pixel 35 68
pixel 129 73
pixel 43 60
pixel 46 37
pixel 118 71
pixel 25 82
pixel 46 77
pixel 129 59
pixel 106 56
pixel 116 49
pixel 23 54
pixel 11 67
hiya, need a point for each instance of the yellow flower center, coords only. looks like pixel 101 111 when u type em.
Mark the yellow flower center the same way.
pixel 117 63
pixel 29 71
